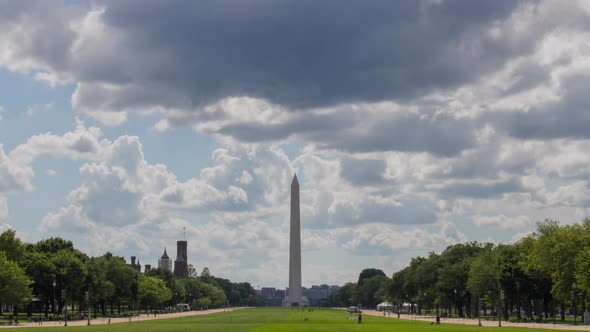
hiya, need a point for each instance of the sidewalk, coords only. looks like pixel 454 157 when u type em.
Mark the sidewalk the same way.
pixel 487 323
pixel 101 321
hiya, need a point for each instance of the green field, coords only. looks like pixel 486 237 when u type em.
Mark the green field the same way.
pixel 275 319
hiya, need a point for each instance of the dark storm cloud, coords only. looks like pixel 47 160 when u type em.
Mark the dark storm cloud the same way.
pixel 443 136
pixel 302 124
pixel 303 53
pixel 354 131
pixel 569 117
pixel 482 190
pixel 360 172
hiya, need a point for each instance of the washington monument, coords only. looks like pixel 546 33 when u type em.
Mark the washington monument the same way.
pixel 294 297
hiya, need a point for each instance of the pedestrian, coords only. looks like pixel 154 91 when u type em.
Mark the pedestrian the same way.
pixel 360 318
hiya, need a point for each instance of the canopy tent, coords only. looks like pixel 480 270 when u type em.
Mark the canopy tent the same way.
pixel 385 306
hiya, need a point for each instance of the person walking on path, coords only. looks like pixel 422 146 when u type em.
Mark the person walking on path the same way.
pixel 360 318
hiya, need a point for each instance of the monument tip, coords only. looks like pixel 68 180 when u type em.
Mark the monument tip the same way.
pixel 295 181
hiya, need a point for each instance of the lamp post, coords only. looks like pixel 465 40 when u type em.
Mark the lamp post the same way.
pixel 574 302
pixel 88 306
pixel 53 301
pixel 64 298
pixel 479 302
pixel 455 299
pixel 500 308
pixel 518 300
pixel 553 301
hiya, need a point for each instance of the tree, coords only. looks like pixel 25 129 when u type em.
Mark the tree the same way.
pixel 41 270
pixel 453 272
pixel 367 292
pixel 53 245
pixel 345 296
pixel 369 273
pixel 99 286
pixel 206 276
pixel 484 277
pixel 12 246
pixel 152 291
pixel 125 280
pixel 15 286
pixel 192 272
pixel 554 254
pixel 171 283
pixel 70 274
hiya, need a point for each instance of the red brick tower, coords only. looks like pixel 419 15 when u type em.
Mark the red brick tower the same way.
pixel 181 262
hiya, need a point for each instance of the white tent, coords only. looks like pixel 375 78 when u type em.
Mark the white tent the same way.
pixel 385 306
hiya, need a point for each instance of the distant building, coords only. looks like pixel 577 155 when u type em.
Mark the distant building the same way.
pixel 135 266
pixel 165 262
pixel 181 262
pixel 147 268
pixel 318 294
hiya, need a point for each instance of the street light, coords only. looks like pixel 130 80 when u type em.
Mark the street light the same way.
pixel 518 300
pixel 64 298
pixel 455 300
pixel 53 302
pixel 88 305
pixel 574 302
pixel 479 303
pixel 500 308
pixel 553 301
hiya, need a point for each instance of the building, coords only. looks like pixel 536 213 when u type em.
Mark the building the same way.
pixel 165 262
pixel 147 268
pixel 181 262
pixel 135 266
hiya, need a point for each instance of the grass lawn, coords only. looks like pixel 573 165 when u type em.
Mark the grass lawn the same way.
pixel 275 319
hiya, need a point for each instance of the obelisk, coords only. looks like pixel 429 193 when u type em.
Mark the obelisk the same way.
pixel 294 297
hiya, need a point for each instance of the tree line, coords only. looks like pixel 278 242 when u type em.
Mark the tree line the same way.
pixel 541 276
pixel 52 274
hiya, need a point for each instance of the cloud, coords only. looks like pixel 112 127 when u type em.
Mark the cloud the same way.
pixel 13 176
pixel 482 190
pixel 385 239
pixel 411 125
pixel 37 108
pixel 3 208
pixel 123 57
pixel 362 171
pixel 503 222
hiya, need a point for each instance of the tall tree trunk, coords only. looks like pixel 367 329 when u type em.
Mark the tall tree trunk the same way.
pixel 563 311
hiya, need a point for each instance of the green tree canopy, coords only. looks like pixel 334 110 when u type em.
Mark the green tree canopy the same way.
pixel 152 291
pixel 12 246
pixel 15 286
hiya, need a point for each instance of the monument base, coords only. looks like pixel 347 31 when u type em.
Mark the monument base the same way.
pixel 304 302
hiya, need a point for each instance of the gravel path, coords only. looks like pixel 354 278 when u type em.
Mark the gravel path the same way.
pixel 466 321
pixel 142 317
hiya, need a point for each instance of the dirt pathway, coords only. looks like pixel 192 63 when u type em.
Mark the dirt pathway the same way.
pixel 142 317
pixel 466 321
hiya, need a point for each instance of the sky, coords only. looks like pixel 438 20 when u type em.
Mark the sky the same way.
pixel 411 125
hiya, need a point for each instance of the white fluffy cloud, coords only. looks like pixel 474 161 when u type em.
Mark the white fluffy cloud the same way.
pixel 480 126
pixel 503 222
pixel 3 208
